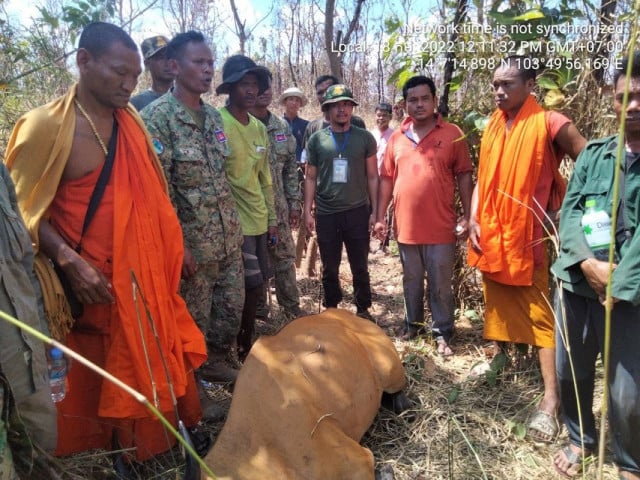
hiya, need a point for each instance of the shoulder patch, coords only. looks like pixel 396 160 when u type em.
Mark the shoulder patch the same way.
pixel 280 137
pixel 220 135
pixel 157 145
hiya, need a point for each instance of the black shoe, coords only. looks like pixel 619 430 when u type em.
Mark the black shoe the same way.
pixel 364 313
pixel 123 468
pixel 411 333
pixel 200 439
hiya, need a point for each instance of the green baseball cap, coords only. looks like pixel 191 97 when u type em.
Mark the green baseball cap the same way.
pixel 338 93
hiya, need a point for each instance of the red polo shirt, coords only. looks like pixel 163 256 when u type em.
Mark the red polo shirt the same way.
pixel 424 181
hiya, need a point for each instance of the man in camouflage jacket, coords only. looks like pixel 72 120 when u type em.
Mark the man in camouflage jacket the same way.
pixel 288 202
pixel 191 143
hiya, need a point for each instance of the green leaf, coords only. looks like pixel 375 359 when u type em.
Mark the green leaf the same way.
pixel 453 395
pixel 481 123
pixel 48 18
pixel 530 15
pixel 499 362
pixel 392 24
pixel 492 378
pixel 554 98
pixel 547 83
pixel 472 315
pixel 404 76
pixel 519 430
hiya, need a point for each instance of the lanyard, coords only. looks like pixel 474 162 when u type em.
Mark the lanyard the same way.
pixel 344 141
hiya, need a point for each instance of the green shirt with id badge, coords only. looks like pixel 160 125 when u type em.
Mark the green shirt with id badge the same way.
pixel 341 162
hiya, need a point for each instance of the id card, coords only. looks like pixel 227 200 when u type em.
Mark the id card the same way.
pixel 340 170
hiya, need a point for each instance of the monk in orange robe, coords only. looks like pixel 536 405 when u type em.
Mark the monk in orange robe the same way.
pixel 518 185
pixel 55 155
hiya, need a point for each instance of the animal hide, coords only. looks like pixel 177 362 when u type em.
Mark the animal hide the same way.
pixel 303 400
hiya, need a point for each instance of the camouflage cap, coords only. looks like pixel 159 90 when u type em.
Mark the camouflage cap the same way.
pixel 338 93
pixel 151 46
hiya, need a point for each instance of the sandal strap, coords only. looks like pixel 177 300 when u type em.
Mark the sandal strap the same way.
pixel 571 456
pixel 543 423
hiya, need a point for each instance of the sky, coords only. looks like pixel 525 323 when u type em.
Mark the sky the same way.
pixel 153 22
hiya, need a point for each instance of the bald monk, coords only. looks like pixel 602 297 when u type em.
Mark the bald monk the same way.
pixel 55 154
pixel 518 185
pixel 303 400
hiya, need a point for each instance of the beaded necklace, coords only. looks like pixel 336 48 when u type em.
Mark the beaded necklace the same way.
pixel 92 125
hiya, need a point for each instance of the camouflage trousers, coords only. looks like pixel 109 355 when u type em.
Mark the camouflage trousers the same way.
pixel 7 472
pixel 215 299
pixel 283 258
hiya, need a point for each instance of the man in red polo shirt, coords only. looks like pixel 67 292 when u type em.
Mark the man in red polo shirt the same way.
pixel 423 161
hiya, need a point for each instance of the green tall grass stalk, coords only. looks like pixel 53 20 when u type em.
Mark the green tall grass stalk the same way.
pixel 106 375
pixel 620 156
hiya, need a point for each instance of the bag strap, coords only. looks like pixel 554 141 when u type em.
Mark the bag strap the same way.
pixel 101 184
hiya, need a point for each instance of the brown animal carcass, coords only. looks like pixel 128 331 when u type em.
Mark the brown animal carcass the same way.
pixel 303 400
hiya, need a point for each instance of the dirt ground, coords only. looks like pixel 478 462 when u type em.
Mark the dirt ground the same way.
pixel 460 427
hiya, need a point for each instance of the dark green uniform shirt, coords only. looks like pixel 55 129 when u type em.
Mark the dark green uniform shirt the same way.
pixel 592 179
pixel 355 146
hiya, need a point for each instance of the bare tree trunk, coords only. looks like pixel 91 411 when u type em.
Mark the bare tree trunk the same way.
pixel 294 9
pixel 332 55
pixel 607 11
pixel 458 18
pixel 380 71
pixel 336 57
pixel 241 33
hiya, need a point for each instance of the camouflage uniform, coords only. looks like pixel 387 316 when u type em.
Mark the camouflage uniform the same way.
pixel 286 191
pixel 193 160
pixel 28 415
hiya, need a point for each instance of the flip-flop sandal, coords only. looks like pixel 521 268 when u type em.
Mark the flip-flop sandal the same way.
pixel 443 348
pixel 479 369
pixel 575 460
pixel 543 427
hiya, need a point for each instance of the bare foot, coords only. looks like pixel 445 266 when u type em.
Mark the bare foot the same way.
pixel 568 461
pixel 626 475
pixel 443 347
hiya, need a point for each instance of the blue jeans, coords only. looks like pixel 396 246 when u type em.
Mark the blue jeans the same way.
pixel 437 261
pixel 584 330
pixel 350 228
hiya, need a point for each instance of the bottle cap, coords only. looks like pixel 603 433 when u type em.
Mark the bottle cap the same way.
pixel 56 353
pixel 590 203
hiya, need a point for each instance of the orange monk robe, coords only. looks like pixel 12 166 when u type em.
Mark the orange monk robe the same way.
pixel 135 228
pixel 518 181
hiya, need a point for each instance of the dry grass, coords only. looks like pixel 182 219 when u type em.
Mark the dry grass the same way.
pixel 459 427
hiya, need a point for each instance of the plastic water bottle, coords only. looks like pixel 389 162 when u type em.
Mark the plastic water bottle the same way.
pixel 596 225
pixel 57 375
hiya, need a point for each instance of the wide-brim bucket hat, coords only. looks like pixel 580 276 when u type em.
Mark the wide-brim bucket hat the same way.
pixel 293 92
pixel 236 67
